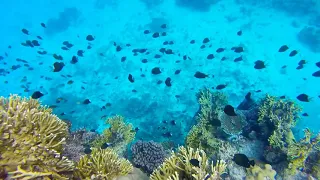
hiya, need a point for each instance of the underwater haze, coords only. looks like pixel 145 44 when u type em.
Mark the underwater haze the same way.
pixel 148 59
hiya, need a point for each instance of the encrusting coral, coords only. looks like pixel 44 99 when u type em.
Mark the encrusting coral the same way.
pixel 102 164
pixel 31 140
pixel 119 134
pixel 179 166
pixel 257 173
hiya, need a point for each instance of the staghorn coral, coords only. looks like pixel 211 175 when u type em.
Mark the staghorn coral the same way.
pixel 31 140
pixel 299 152
pixel 178 166
pixel 119 134
pixel 280 116
pixel 148 155
pixel 257 173
pixel 102 164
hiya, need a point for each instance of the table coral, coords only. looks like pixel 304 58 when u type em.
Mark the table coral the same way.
pixel 31 140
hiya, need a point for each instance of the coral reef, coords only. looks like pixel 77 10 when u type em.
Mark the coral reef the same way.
pixel 31 140
pixel 299 152
pixel 279 116
pixel 232 125
pixel 102 164
pixel 179 166
pixel 119 134
pixel 147 155
pixel 257 173
pixel 76 142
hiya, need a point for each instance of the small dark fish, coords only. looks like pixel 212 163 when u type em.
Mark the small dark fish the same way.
pixel 70 82
pixel 302 62
pixel 89 47
pixel 293 53
pixel 318 64
pixel 177 71
pixel 202 46
pixel 200 75
pixel 239 33
pixel 316 74
pixel 173 122
pixel 219 50
pixel 229 110
pixel 25 31
pixel 35 43
pixel 64 48
pixel 130 78
pixel 205 40
pixel 80 53
pixel 259 64
pixel 74 60
pixel 159 82
pixel 155 35
pixel 39 37
pixel 144 60
pixel 192 41
pixel 118 48
pixel 167 134
pixel 243 160
pixel 57 57
pixel 89 38
pixel 223 58
pixel 282 97
pixel 86 101
pixel 37 95
pixel 156 70
pixel 146 32
pixel 299 67
pixel 283 48
pixel 42 52
pixel 238 49
pixel 123 59
pixel 305 114
pixel 43 25
pixel 283 67
pixel 238 59
pixel 221 86
pixel 258 91
pixel 87 150
pixel 303 98
pixel 210 56
pixel 157 56
pixel 168 82
pixel 169 51
pixel 195 162
pixel 57 66
pixel 163 26
pixel 163 34
pixel 105 145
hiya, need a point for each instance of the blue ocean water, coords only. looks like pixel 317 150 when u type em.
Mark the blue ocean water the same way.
pixel 102 76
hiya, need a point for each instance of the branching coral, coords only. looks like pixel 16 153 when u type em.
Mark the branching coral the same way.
pixel 257 173
pixel 119 134
pixel 103 164
pixel 281 115
pixel 179 166
pixel 31 140
pixel 299 152
pixel 202 135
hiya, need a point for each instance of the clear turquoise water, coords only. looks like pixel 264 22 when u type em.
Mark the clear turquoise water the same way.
pixel 101 76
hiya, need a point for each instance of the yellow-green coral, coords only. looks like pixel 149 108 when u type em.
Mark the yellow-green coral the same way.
pixel 282 115
pixel 102 164
pixel 202 135
pixel 31 140
pixel 257 173
pixel 299 152
pixel 119 134
pixel 178 166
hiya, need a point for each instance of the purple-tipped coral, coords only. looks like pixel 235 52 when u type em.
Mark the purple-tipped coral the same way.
pixel 148 155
